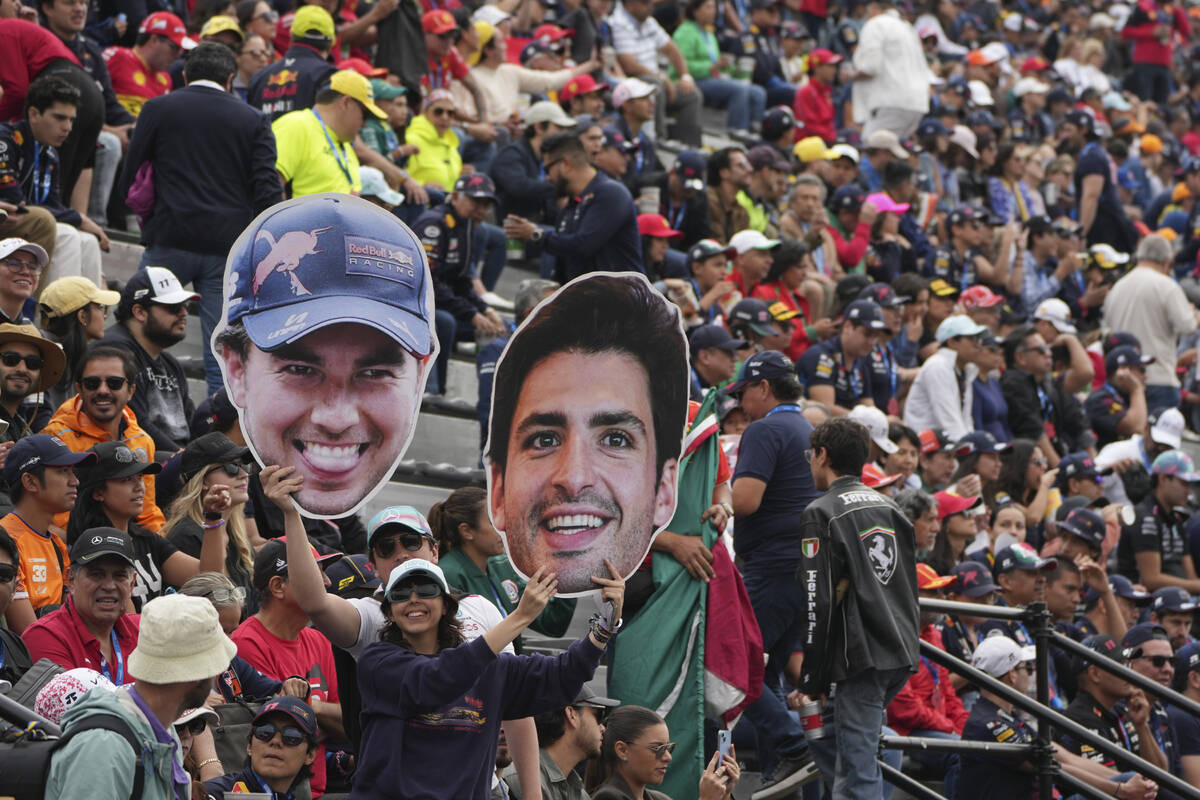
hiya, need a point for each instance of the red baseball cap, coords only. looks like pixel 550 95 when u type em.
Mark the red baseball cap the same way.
pixel 927 578
pixel 1034 64
pixel 933 441
pixel 552 33
pixel 582 84
pixel 822 56
pixel 438 21
pixel 656 225
pixel 980 297
pixel 875 478
pixel 950 503
pixel 363 67
pixel 164 23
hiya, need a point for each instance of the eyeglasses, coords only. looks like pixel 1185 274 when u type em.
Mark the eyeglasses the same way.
pixel 225 595
pixel 440 111
pixel 1027 668
pixel 426 590
pixel 195 726
pixel 412 542
pixel 659 750
pixel 8 572
pixel 11 359
pixel 114 384
pixel 450 35
pixel 292 736
pixel 270 16
pixel 234 468
pixel 21 265
pixel 550 165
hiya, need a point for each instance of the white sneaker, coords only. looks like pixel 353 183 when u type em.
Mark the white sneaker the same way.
pixel 496 301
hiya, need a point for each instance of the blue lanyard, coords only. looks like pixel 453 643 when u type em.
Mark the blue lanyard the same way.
pixel 499 604
pixel 966 278
pixel 933 672
pixel 120 679
pixel 267 790
pixel 676 218
pixel 338 155
pixel 3 654
pixel 1044 400
pixel 41 175
pixel 785 408
pixel 885 351
pixel 710 42
pixel 852 371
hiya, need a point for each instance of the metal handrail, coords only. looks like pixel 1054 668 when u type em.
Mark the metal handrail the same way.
pixel 901 781
pixel 954 745
pixel 971 609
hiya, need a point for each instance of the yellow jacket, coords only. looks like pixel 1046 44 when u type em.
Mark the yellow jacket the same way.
pixel 79 432
pixel 438 161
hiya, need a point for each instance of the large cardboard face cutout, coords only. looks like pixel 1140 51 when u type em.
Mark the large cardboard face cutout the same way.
pixel 589 405
pixel 325 342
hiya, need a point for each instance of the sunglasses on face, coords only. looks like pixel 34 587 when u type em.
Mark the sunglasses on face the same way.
pixel 269 16
pixel 195 726
pixel 234 468
pixel 426 590
pixel 451 36
pixel 1158 661
pixel 659 750
pixel 114 384
pixel 292 736
pixel 440 111
pixel 11 359
pixel 386 548
pixel 8 572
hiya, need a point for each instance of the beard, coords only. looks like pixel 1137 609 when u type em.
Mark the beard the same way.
pixel 161 335
pixel 561 187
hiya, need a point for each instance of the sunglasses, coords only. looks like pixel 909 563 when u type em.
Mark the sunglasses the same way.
pixel 450 35
pixel 8 572
pixel 19 265
pixel 1158 661
pixel 292 736
pixel 114 384
pixel 269 16
pixel 11 359
pixel 196 726
pixel 426 590
pixel 440 111
pixel 659 750
pixel 173 308
pixel 386 548
pixel 234 468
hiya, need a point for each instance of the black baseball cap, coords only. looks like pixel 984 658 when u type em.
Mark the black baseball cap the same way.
pixel 706 248
pixel 477 186
pixel 1125 356
pixel 764 156
pixel 96 543
pixel 755 314
pixel 40 450
pixel 211 448
pixel 777 121
pixel 588 697
pixel 766 365
pixel 866 313
pixel 964 214
pixel 978 442
pixel 1121 339
pixel 1138 635
pixel 1039 224
pixel 1122 587
pixel 271 560
pixel 884 295
pixel 296 709
pixel 1173 599
pixel 973 579
pixel 115 460
pixel 1081 119
pixel 691 167
pixel 1103 646
pixel 706 337
pixel 1076 465
pixel 352 574
pixel 216 413
pixel 1086 524
pixel 614 138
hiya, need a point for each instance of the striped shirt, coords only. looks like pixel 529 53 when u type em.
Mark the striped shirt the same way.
pixel 641 39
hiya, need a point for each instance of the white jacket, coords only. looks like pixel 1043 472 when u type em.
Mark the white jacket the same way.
pixel 890 52
pixel 934 400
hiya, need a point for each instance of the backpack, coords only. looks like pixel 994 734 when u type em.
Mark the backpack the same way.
pixel 25 764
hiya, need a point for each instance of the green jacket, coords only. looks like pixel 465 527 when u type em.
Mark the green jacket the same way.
pixel 697 46
pixel 100 765
pixel 502 586
pixel 378 135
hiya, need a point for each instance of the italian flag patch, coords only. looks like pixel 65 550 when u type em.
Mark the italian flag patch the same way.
pixel 809 548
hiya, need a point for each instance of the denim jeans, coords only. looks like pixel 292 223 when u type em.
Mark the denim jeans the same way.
pixel 859 704
pixel 206 274
pixel 1160 397
pixel 780 92
pixel 778 603
pixel 946 764
pixel 490 249
pixel 104 173
pixel 446 327
pixel 824 751
pixel 745 101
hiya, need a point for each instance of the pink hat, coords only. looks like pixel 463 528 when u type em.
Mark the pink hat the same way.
pixel 883 202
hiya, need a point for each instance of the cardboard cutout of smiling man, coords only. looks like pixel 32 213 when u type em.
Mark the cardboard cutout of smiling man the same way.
pixel 588 410
pixel 326 338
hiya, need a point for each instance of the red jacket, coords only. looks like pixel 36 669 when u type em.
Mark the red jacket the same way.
pixel 62 637
pixel 928 701
pixel 1147 47
pixel 851 251
pixel 814 111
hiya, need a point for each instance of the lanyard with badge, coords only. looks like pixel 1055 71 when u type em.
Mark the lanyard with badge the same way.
pixel 338 155
pixel 852 375
pixel 116 646
pixel 41 175
pixel 784 408
pixel 675 217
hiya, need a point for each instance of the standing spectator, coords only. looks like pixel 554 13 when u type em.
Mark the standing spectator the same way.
pixel 521 187
pixel 761 42
pixel 40 473
pixel 181 649
pixel 1038 407
pixel 771 486
pixel 1152 27
pixel 292 82
pixel 140 73
pixel 1148 303
pixel 710 67
pixel 891 87
pixel 213 162
pixel 683 200
pixel 31 174
pixel 728 174
pixel 814 100
pixel 1098 205
pixel 597 229
pixel 855 542
pixel 942 396
pixel 151 318
pixel 639 40
pixel 101 414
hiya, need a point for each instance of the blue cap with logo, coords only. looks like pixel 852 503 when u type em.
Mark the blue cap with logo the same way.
pixel 327 259
pixel 1086 524
pixel 866 313
pixel 1173 599
pixel 762 366
pixel 1076 465
pixel 40 450
pixel 1187 658
pixel 300 712
pixel 1122 587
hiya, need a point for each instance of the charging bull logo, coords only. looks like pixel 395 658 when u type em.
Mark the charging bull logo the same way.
pixel 880 544
pixel 285 256
pixel 283 77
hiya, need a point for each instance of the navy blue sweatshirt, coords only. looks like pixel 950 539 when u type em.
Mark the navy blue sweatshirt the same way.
pixel 431 723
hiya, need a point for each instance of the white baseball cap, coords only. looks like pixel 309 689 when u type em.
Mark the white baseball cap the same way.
pixel 1057 313
pixel 744 241
pixel 981 95
pixel 549 111
pixel 958 325
pixel 1168 428
pixel 965 138
pixel 631 89
pixel 1029 85
pixel 15 245
pixel 490 14
pixel 997 655
pixel 843 150
pixel 875 421
pixel 375 185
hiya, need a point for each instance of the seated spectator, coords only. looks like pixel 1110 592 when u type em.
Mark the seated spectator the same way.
pixel 16 660
pixel 215 472
pixel 1152 550
pixel 1187 725
pixel 837 372
pixel 1117 410
pixel 316 146
pixel 752 320
pixel 438 164
pixel 814 100
pixel 904 460
pixel 40 473
pixel 635 102
pixel 66 689
pixel 567 737
pixel 255 55
pixel 713 353
pixel 659 262
pixel 804 218
pixel 992 719
pixel 1039 408
pixel 29 364
pixel 972 584
pixel 683 199
pixel 1020 574
pixel 989 409
pixel 23 263
pixel 381 134
pixel 714 72
pixel 936 461
pixel 101 413
pixel 956 517
pixel 196 745
pixel 728 174
pixel 50 110
pixel 140 72
pixel 74 312
pixel 850 221
pixel 978 453
pixel 761 41
pixel 1163 432
pixel 708 261
pixel 1007 527
pixel 635 751
pixel 583 95
pixel 1081 534
pixel 786 282
pixel 92 628
pixel 152 318
pixel 292 82
pixel 521 186
pixel 614 153
pixel 1175 610
pixel 280 751
pixel 1147 651
pixel 1097 617
pixel 939 398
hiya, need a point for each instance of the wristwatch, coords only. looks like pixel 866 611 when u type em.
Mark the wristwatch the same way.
pixel 536 236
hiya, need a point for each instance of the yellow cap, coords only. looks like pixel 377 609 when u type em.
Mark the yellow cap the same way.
pixel 312 21
pixel 811 149
pixel 1180 192
pixel 220 24
pixel 351 84
pixel 66 295
pixel 484 32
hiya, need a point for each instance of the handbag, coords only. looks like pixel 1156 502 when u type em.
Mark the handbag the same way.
pixel 140 197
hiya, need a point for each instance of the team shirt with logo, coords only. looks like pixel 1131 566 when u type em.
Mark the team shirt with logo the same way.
pixel 133 82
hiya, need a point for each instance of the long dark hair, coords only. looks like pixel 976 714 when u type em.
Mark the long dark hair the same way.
pixel 965 467
pixel 449 630
pixel 89 513
pixel 941 557
pixel 68 332
pixel 463 505
pixel 624 725
pixel 1014 463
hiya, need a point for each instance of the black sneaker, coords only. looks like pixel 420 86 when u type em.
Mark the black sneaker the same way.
pixel 790 773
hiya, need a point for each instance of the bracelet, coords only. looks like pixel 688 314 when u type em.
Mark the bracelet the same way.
pixel 728 509
pixel 208 761
pixel 208 526
pixel 1117 791
pixel 599 628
